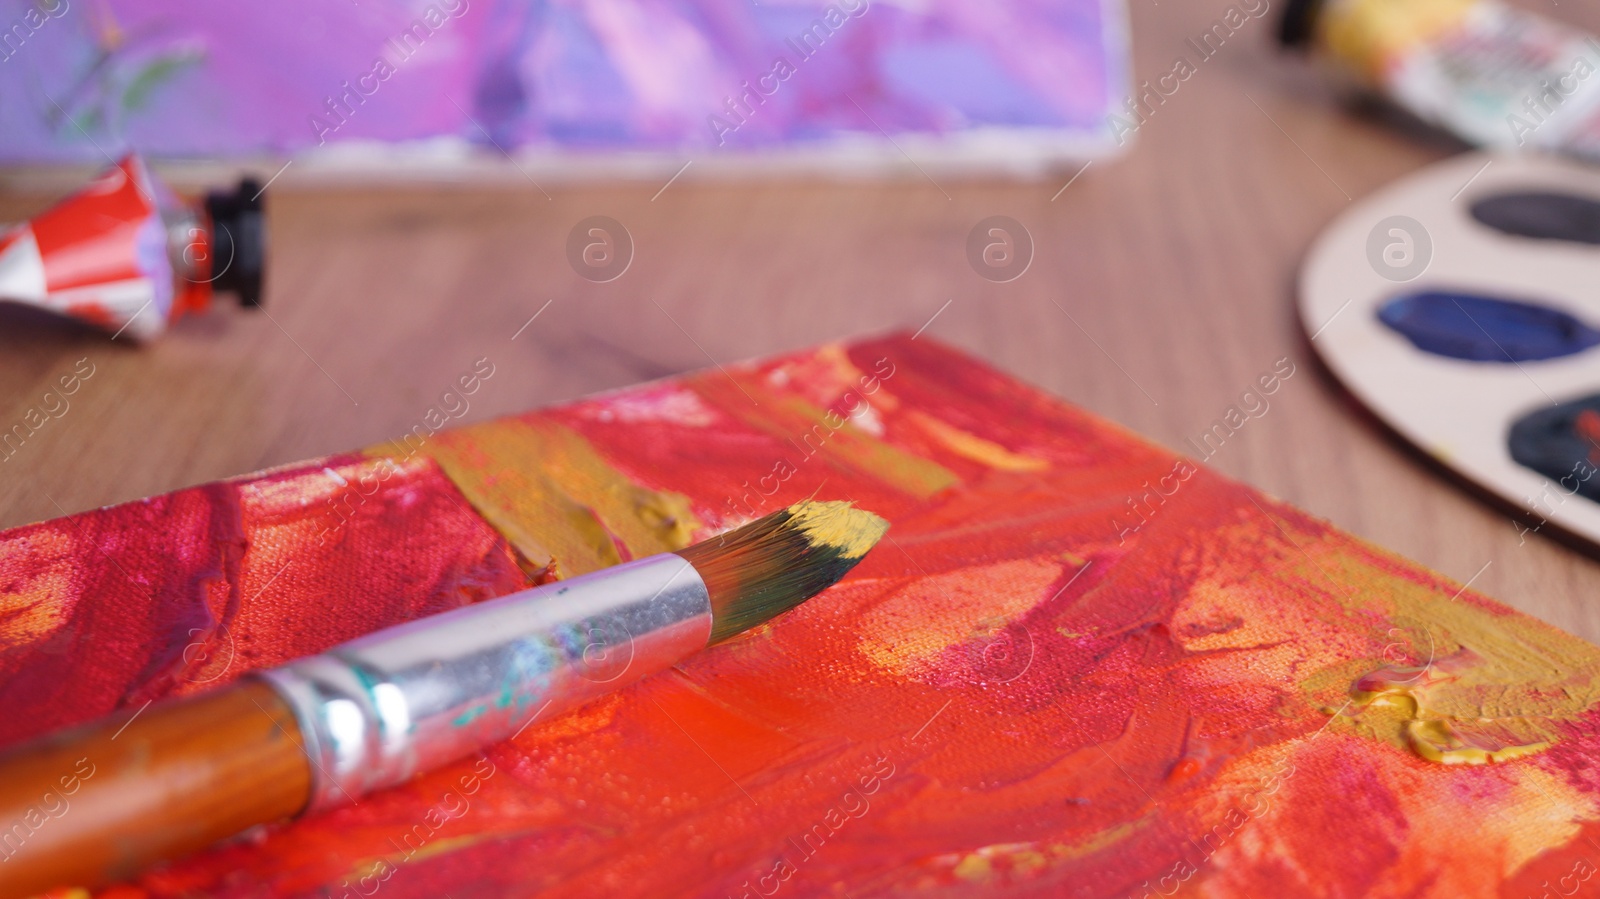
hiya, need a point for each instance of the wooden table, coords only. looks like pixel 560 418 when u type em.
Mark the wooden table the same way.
pixel 1176 262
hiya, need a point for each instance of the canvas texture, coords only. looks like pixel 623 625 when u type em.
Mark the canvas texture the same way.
pixel 1078 665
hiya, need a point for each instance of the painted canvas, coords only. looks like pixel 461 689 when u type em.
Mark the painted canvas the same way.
pixel 1077 666
pixel 186 78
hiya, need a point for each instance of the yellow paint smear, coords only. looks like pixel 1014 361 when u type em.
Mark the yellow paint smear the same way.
pixel 1016 861
pixel 549 493
pixel 810 434
pixel 971 446
pixel 838 525
pixel 1400 695
pixel 1438 672
pixel 1446 743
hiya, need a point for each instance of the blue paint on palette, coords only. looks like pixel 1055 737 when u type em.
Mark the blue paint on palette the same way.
pixel 1486 329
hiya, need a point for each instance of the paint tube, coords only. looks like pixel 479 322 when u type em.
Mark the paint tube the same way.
pixel 127 255
pixel 1493 75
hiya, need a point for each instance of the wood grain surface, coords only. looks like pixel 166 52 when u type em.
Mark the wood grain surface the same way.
pixel 1162 286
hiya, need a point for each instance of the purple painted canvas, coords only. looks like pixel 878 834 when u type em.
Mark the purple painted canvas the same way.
pixel 192 78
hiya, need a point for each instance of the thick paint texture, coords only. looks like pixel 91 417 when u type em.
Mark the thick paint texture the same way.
pixel 177 593
pixel 1014 694
pixel 1486 329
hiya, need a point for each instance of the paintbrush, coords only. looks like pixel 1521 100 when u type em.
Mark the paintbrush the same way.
pixel 96 803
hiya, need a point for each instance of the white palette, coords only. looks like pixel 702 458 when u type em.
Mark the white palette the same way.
pixel 1458 411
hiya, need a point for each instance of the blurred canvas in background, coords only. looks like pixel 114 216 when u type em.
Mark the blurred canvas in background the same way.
pixel 1016 85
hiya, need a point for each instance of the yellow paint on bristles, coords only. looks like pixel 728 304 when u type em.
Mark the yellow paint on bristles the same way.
pixel 760 570
pixel 839 525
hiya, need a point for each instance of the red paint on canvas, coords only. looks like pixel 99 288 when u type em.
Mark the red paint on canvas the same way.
pixel 1017 693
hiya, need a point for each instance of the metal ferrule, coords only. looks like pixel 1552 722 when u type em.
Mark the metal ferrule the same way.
pixel 382 708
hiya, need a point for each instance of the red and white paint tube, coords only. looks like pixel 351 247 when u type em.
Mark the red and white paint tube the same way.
pixel 127 255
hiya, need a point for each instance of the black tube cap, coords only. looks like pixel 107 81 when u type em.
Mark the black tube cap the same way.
pixel 239 240
pixel 1299 23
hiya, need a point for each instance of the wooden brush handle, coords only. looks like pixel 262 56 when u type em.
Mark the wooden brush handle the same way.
pixel 97 803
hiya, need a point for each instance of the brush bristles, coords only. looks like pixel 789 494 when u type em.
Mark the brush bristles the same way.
pixel 765 568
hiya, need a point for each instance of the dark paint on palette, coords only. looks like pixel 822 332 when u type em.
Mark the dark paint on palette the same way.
pixel 1542 215
pixel 1560 442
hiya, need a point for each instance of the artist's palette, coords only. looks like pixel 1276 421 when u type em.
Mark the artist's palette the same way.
pixel 1462 306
